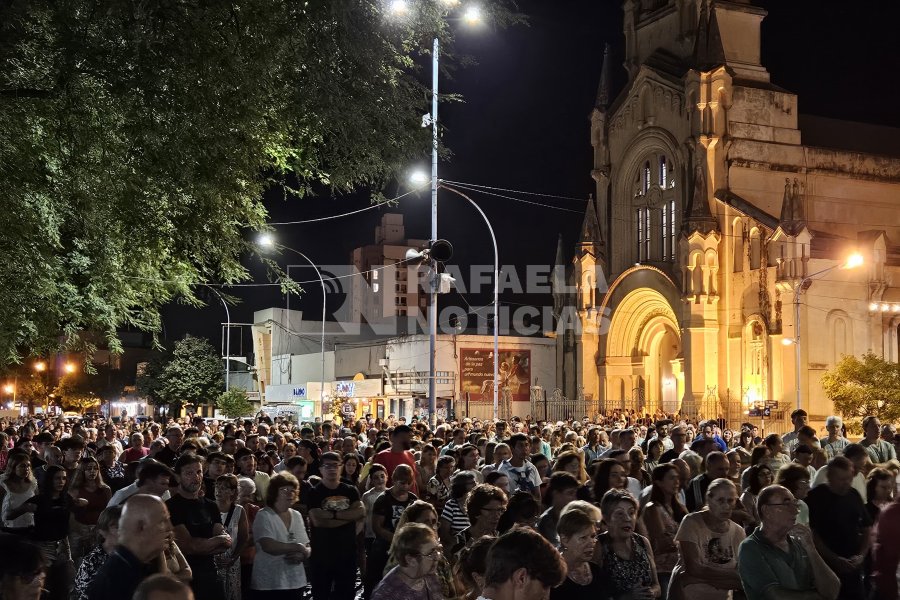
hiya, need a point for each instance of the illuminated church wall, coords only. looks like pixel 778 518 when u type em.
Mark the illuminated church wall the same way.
pixel 712 207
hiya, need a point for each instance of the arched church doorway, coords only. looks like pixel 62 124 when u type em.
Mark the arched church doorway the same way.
pixel 643 347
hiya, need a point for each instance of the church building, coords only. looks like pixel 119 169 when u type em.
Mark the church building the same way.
pixel 734 249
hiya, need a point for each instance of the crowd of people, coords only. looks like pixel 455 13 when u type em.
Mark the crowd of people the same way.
pixel 614 508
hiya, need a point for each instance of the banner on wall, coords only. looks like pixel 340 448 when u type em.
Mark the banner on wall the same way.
pixel 476 371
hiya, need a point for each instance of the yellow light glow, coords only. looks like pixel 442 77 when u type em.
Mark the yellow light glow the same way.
pixel 787 341
pixel 854 260
pixel 9 388
pixel 69 367
pixel 40 366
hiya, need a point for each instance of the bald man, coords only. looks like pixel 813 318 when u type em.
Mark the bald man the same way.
pixel 144 533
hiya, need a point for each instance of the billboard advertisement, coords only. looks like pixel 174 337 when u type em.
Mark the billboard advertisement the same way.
pixel 476 372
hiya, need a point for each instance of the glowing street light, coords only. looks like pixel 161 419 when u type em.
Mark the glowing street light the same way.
pixel 40 366
pixel 472 15
pixel 9 389
pixel 399 8
pixel 69 367
pixel 419 178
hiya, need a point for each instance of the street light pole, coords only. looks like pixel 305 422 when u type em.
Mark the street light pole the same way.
pixel 855 260
pixel 227 335
pixel 432 305
pixel 496 298
pixel 268 241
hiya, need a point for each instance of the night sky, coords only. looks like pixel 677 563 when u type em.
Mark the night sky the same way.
pixel 524 125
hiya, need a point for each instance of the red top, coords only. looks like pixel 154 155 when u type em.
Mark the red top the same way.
pixel 133 454
pixel 391 459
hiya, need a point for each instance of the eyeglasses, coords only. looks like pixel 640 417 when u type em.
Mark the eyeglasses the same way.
pixel 330 466
pixel 433 555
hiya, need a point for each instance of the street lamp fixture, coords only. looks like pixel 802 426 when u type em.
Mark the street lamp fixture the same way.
pixel 69 367
pixel 40 366
pixel 9 388
pixel 853 261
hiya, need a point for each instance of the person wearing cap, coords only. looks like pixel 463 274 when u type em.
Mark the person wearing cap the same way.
pixel 791 440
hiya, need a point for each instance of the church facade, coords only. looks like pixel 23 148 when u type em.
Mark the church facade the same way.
pixel 712 273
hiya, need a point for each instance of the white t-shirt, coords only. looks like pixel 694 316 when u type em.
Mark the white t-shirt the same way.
pixel 717 549
pixel 273 572
pixel 524 478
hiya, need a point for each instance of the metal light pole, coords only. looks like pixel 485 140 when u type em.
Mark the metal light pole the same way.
pixel 227 336
pixel 268 241
pixel 496 298
pixel 432 305
pixel 471 16
pixel 855 260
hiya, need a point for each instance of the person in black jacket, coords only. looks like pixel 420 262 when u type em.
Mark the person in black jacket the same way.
pixel 144 534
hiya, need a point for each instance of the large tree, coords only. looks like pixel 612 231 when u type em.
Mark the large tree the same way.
pixel 866 386
pixel 138 137
pixel 194 374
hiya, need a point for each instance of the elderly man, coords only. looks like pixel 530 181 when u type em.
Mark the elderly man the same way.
pixel 144 532
pixel 774 565
pixel 834 444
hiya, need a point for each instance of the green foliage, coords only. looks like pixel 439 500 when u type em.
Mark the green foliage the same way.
pixel 193 374
pixel 867 386
pixel 138 138
pixel 31 391
pixel 234 403
pixel 149 382
pixel 76 392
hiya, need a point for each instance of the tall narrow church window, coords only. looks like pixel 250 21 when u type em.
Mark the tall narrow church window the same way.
pixel 642 217
pixel 667 239
pixel 755 248
pixel 646 178
pixel 672 229
pixel 663 172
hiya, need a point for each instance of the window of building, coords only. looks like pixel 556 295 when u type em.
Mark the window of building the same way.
pixel 645 184
pixel 667 236
pixel 642 218
pixel 663 172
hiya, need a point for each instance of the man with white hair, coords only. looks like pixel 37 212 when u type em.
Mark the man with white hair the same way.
pixel 835 443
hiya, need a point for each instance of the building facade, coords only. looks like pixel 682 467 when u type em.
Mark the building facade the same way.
pixel 721 221
pixel 386 290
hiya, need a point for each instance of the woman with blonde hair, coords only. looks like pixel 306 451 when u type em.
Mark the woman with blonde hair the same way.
pixel 86 483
